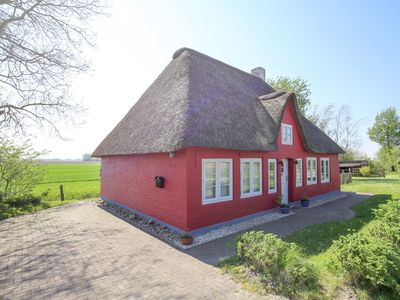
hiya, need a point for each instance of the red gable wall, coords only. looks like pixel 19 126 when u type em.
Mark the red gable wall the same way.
pixel 200 215
pixel 129 180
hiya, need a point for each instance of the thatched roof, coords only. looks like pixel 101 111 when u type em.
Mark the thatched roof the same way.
pixel 200 101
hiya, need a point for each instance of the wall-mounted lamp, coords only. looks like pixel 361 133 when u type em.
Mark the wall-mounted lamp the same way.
pixel 171 154
pixel 281 163
pixel 296 162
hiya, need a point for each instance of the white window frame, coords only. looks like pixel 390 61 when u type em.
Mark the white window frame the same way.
pixel 299 161
pixel 325 177
pixel 283 128
pixel 270 191
pixel 217 181
pixel 312 159
pixel 251 193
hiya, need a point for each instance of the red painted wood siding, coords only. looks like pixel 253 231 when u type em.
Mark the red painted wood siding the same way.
pixel 129 179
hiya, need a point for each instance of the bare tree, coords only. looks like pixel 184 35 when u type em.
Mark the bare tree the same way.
pixel 338 123
pixel 321 117
pixel 40 54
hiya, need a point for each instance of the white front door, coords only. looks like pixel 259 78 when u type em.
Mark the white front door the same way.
pixel 284 181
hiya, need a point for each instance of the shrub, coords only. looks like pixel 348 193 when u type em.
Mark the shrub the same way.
pixel 389 212
pixel 382 230
pixel 367 261
pixel 25 200
pixel 19 172
pixel 365 171
pixel 387 222
pixel 281 265
pixel 376 168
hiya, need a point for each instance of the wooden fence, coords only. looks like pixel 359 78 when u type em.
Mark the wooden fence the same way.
pixel 346 177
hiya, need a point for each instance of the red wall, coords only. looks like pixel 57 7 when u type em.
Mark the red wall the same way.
pixel 200 215
pixel 130 181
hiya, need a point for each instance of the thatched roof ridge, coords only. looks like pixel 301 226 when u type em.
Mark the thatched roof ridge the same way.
pixel 200 101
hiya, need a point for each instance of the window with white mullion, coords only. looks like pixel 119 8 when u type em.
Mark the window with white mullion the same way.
pixel 210 180
pixel 325 170
pixel 272 184
pixel 299 172
pixel 250 177
pixel 216 180
pixel 311 170
pixel 287 134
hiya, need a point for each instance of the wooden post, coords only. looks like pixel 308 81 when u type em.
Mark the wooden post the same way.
pixel 61 192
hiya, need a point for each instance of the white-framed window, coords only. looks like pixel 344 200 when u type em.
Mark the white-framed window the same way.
pixel 287 134
pixel 311 170
pixel 325 170
pixel 250 177
pixel 216 180
pixel 272 184
pixel 299 172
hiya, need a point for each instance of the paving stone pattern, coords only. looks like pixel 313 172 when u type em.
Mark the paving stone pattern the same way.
pixel 80 251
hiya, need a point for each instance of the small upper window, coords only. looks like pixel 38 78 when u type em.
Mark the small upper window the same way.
pixel 287 134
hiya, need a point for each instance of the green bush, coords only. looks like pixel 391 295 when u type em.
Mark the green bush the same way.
pixel 22 201
pixel 365 171
pixel 389 212
pixel 376 168
pixel 387 222
pixel 281 265
pixel 368 262
pixel 371 258
pixel 385 231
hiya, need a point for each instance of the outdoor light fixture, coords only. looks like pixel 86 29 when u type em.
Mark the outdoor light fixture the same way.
pixel 171 154
pixel 281 162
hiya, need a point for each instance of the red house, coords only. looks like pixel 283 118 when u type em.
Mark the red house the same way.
pixel 221 142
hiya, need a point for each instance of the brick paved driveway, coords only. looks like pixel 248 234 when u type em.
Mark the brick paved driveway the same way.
pixel 80 251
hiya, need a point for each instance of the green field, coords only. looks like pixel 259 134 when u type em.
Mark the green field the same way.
pixel 80 181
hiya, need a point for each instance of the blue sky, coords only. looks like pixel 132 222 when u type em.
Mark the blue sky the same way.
pixel 348 50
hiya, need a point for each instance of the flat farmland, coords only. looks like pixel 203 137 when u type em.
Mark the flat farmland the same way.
pixel 79 180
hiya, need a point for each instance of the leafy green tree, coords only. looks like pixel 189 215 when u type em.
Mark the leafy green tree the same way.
pixel 386 132
pixel 389 158
pixel 300 87
pixel 19 172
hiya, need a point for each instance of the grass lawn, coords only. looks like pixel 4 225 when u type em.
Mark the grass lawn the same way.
pixel 80 181
pixel 315 240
